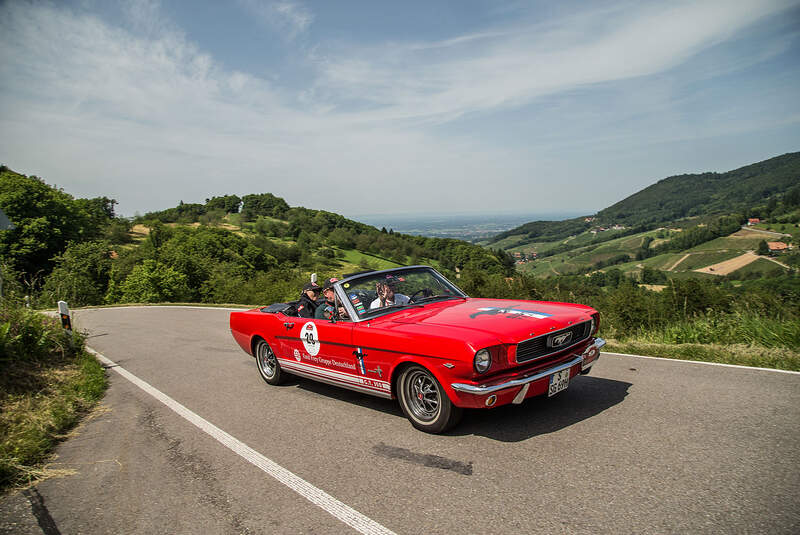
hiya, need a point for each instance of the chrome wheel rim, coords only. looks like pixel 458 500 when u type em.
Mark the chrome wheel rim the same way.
pixel 266 360
pixel 422 395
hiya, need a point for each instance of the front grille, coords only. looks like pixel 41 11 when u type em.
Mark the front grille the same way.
pixel 537 348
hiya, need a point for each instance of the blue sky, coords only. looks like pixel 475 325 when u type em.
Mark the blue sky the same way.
pixel 393 107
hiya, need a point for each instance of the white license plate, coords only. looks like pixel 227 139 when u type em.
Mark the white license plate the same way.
pixel 558 381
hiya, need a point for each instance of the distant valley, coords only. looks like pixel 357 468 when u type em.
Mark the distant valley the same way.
pixel 467 227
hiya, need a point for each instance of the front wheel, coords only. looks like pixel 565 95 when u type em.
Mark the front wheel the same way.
pixel 424 402
pixel 267 364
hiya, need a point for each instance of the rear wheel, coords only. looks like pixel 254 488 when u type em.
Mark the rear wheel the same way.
pixel 424 401
pixel 267 364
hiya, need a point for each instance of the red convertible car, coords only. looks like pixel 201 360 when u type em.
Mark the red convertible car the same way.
pixel 409 333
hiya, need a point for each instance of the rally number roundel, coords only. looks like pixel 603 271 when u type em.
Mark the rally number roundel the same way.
pixel 310 338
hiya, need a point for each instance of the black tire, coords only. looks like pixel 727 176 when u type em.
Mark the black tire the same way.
pixel 267 364
pixel 424 401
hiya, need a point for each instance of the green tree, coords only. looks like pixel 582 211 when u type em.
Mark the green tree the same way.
pixel 792 197
pixel 46 220
pixel 81 274
pixel 653 276
pixel 763 248
pixel 265 204
pixel 151 282
pixel 227 203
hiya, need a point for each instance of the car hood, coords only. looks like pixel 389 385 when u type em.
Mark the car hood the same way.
pixel 510 321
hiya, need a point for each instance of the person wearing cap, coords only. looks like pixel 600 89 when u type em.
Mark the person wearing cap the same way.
pixel 307 304
pixel 387 296
pixel 327 309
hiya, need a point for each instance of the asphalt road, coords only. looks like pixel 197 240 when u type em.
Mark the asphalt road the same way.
pixel 637 446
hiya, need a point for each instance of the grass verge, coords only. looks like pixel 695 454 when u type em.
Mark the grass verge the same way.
pixel 741 354
pixel 47 384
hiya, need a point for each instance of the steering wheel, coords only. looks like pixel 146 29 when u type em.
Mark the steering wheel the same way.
pixel 426 292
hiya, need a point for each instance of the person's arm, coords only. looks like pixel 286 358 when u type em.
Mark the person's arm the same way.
pixel 382 291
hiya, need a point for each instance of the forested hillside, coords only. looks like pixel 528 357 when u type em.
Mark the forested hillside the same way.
pixel 255 249
pixel 748 191
pixel 705 194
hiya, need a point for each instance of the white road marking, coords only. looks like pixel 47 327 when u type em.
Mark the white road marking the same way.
pixel 702 362
pixel 196 307
pixel 318 497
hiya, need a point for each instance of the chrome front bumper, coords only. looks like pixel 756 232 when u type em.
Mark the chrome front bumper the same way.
pixel 522 381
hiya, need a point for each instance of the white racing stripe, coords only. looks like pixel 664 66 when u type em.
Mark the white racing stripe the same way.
pixel 318 497
pixel 701 362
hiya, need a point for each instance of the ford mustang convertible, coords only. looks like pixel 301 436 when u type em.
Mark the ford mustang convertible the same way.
pixel 409 333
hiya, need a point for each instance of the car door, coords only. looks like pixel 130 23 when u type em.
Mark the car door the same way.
pixel 374 360
pixel 322 350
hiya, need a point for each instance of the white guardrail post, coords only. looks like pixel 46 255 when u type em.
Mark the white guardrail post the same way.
pixel 66 318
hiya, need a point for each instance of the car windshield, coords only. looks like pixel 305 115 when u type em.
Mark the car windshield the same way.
pixel 374 293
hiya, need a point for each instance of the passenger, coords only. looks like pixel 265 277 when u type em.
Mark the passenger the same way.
pixel 387 296
pixel 327 309
pixel 307 304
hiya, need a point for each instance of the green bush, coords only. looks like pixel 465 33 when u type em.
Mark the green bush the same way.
pixel 47 382
pixel 81 274
pixel 152 282
pixel 27 335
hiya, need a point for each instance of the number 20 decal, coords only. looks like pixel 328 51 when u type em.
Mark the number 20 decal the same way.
pixel 310 338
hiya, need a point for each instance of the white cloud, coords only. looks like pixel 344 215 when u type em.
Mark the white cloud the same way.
pixel 291 17
pixel 146 16
pixel 511 66
pixel 149 118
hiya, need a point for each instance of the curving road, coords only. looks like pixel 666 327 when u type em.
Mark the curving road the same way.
pixel 638 446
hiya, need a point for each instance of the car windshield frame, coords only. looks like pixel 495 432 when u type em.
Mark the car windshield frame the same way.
pixel 345 287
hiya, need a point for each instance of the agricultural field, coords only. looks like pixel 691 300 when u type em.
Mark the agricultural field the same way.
pixel 663 261
pixel 759 268
pixel 780 228
pixel 581 257
pixel 510 244
pixel 743 240
pixel 703 259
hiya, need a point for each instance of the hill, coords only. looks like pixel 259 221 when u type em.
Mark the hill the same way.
pixel 253 249
pixel 705 194
pixel 676 198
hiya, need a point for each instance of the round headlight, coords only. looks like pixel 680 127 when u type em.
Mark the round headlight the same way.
pixel 483 359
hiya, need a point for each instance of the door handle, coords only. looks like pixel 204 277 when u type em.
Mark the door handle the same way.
pixel 288 325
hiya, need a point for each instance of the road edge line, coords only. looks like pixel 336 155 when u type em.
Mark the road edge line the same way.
pixel 738 366
pixel 318 497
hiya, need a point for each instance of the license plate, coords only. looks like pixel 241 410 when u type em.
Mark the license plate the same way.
pixel 558 381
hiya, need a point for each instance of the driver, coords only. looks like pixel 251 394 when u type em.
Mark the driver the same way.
pixel 387 295
pixel 327 309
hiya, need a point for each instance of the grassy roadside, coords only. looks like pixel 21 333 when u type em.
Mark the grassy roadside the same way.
pixel 741 354
pixel 47 384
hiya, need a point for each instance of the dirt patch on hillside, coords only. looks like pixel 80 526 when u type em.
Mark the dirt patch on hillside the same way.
pixel 753 233
pixel 139 231
pixel 653 287
pixel 729 266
